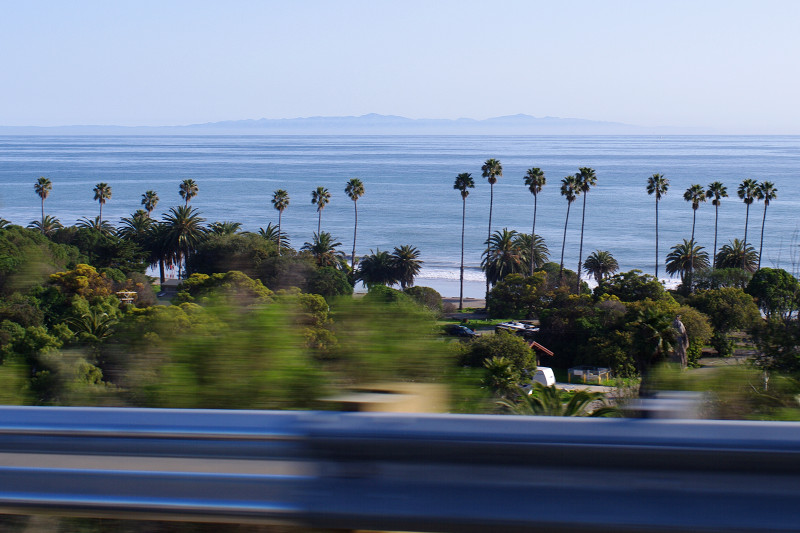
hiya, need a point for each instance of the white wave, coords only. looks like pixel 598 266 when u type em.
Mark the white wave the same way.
pixel 450 274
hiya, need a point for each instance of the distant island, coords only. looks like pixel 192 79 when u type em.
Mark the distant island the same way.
pixel 370 124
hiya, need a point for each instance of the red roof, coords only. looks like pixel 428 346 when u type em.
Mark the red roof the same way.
pixel 536 346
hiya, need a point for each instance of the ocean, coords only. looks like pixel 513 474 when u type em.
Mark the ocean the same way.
pixel 409 189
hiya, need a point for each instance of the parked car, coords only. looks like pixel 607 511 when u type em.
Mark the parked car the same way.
pixel 461 331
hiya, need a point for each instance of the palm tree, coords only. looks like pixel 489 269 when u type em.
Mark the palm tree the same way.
pixel 570 189
pixel 737 255
pixel 717 191
pixel 96 224
pixel 696 195
pixel 224 228
pixel 323 248
pixel 48 225
pixel 188 190
pixel 600 264
pixel 354 190
pixel 320 197
pixel 658 185
pixel 748 190
pixel 149 201
pixel 463 183
pixel 271 233
pixel 503 256
pixel 43 186
pixel 102 192
pixel 136 227
pixel 535 180
pixel 280 201
pixel 766 192
pixel 156 242
pixel 546 401
pixel 541 254
pixel 491 169
pixel 376 269
pixel 586 179
pixel 684 258
pixel 183 233
pixel 406 265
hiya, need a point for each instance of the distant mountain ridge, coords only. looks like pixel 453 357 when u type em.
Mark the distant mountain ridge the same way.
pixel 370 124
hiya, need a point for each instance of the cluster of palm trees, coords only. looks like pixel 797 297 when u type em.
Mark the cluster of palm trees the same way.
pixel 687 256
pixel 507 251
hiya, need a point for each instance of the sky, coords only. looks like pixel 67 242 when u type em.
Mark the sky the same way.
pixel 729 66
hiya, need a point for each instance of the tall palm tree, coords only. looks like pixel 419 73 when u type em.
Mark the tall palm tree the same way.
pixel 491 170
pixel 503 256
pixel 684 258
pixel 657 184
pixel 271 234
pixel 320 197
pixel 354 190
pixel 48 225
pixel 324 249
pixel 149 201
pixel 102 192
pixel 736 255
pixel 586 180
pixel 407 264
pixel 600 264
pixel 188 190
pixel 766 192
pixel 747 191
pixel 463 183
pixel 184 231
pixel 43 186
pixel 696 195
pixel 535 180
pixel 376 269
pixel 570 189
pixel 280 201
pixel 541 253
pixel 717 191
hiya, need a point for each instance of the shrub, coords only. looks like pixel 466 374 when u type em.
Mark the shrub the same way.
pixel 426 297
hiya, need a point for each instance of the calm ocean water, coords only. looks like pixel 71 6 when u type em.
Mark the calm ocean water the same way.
pixel 409 189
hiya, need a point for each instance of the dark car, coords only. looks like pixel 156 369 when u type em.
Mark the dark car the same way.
pixel 461 331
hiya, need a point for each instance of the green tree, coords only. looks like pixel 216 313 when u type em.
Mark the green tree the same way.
pixel 601 264
pixel 491 170
pixel 586 180
pixel 273 234
pixel 717 191
pixel 748 192
pixel 502 344
pixel 224 228
pixel 737 255
pixel 136 227
pixel 547 401
pixel 570 189
pixel 776 291
pixel 684 258
pixel 324 250
pixel 426 297
pixel 632 286
pixel 329 283
pixel 102 192
pixel 47 226
pixel 503 256
pixel 463 183
pixel 728 309
pixel 766 192
pixel 243 252
pixel 280 201
pixel 43 186
pixel 354 191
pixel 406 264
pixel 657 185
pixel 518 296
pixel 184 231
pixel 696 195
pixel 188 189
pixel 541 253
pixel 96 224
pixel 653 336
pixel 376 269
pixel 535 180
pixel 320 197
pixel 150 201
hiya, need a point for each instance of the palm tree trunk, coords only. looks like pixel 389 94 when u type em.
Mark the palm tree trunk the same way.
pixel 463 222
pixel 355 229
pixel 491 203
pixel 319 221
pixel 656 237
pixel 580 252
pixel 280 215
pixel 42 228
pixel 746 220
pixel 694 219
pixel 161 272
pixel 101 213
pixel 761 246
pixel 564 243
pixel 533 230
pixel 716 220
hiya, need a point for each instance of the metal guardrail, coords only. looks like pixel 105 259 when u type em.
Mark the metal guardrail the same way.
pixel 402 471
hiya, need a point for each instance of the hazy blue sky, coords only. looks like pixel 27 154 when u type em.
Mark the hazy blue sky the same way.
pixel 730 65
